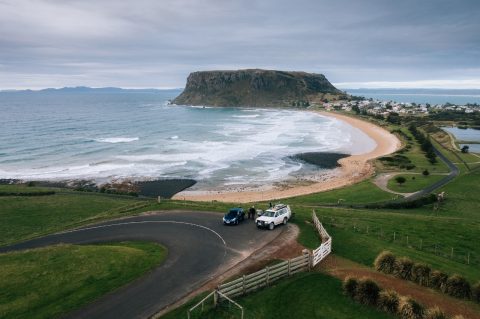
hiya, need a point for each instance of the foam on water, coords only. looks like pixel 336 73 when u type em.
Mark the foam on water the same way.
pixel 117 139
pixel 142 137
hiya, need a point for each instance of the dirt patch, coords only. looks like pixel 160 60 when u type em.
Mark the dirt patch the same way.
pixel 341 268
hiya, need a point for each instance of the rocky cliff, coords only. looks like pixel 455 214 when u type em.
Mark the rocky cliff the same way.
pixel 256 87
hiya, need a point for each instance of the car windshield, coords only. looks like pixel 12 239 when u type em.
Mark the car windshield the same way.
pixel 269 214
pixel 231 214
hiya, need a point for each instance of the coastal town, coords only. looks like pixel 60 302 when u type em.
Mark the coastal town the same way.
pixel 384 108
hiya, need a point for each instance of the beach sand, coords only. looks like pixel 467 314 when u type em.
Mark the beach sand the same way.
pixel 353 169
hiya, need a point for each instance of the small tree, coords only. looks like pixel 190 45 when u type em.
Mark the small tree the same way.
pixel 400 180
pixel 465 149
pixel 426 172
pixel 385 262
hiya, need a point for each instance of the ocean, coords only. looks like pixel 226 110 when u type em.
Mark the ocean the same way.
pixel 139 136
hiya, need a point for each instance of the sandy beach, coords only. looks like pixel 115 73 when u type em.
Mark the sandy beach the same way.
pixel 353 169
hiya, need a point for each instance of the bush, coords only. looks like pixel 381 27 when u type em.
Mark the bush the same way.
pixel 408 308
pixel 388 301
pixel 435 313
pixel 476 292
pixel 438 280
pixel 426 172
pixel 403 268
pixel 367 292
pixel 385 262
pixel 459 287
pixel 421 274
pixel 350 286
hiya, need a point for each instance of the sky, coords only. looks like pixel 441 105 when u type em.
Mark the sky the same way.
pixel 156 44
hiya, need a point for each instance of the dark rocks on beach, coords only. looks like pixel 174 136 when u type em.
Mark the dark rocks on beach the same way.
pixel 320 159
pixel 164 188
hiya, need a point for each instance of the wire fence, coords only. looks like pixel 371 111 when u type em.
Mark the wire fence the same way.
pixel 458 254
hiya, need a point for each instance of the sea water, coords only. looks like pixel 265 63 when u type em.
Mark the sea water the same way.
pixel 139 136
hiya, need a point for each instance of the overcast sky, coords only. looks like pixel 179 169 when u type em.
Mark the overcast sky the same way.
pixel 157 43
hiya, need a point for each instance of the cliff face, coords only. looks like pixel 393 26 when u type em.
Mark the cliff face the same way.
pixel 255 88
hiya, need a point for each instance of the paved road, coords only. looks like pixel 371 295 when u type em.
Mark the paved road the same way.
pixel 198 246
pixel 454 171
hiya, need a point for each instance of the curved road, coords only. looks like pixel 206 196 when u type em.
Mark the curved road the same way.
pixel 199 246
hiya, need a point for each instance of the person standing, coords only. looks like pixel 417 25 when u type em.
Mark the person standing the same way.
pixel 251 212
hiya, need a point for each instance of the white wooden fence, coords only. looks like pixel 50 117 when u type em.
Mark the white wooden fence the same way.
pixel 264 277
pixel 326 247
pixel 267 275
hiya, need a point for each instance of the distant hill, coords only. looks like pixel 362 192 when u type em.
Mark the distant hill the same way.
pixel 85 89
pixel 255 87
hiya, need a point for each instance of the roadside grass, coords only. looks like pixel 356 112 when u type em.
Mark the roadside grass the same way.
pixel 363 192
pixel 50 282
pixel 413 183
pixel 306 295
pixel 22 188
pixel 24 217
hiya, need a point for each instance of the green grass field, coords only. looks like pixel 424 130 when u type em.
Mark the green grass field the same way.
pixel 414 182
pixel 48 282
pixel 307 295
pixel 24 217
pixel 363 192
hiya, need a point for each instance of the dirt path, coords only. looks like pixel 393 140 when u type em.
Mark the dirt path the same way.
pixel 341 268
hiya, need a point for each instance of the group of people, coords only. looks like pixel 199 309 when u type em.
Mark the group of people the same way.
pixel 252 212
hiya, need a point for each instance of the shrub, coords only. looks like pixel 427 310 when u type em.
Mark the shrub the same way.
pixel 459 287
pixel 438 280
pixel 435 313
pixel 367 292
pixel 388 301
pixel 426 172
pixel 350 286
pixel 403 268
pixel 408 308
pixel 421 274
pixel 476 292
pixel 385 262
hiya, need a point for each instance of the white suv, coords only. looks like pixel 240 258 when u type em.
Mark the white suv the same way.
pixel 279 214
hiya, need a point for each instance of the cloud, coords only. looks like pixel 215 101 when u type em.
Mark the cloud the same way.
pixel 157 43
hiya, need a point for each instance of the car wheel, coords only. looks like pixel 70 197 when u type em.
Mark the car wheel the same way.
pixel 285 221
pixel 271 226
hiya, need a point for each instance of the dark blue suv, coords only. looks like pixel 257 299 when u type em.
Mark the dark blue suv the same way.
pixel 234 216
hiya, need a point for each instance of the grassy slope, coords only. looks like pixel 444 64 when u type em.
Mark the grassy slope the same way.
pixel 415 182
pixel 455 224
pixel 307 295
pixel 48 282
pixel 25 217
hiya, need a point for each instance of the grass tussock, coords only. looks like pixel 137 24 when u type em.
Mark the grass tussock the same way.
pixel 409 308
pixel 457 286
pixel 438 280
pixel 385 262
pixel 388 301
pixel 350 285
pixel 367 292
pixel 403 268
pixel 421 274
pixel 435 313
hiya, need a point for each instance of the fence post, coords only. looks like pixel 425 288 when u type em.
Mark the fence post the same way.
pixel 289 271
pixel 468 258
pixel 451 254
pixel 407 240
pixel 367 229
pixel 421 244
pixel 394 236
pixel 215 298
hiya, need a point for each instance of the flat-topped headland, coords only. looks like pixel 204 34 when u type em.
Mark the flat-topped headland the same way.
pixel 257 88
